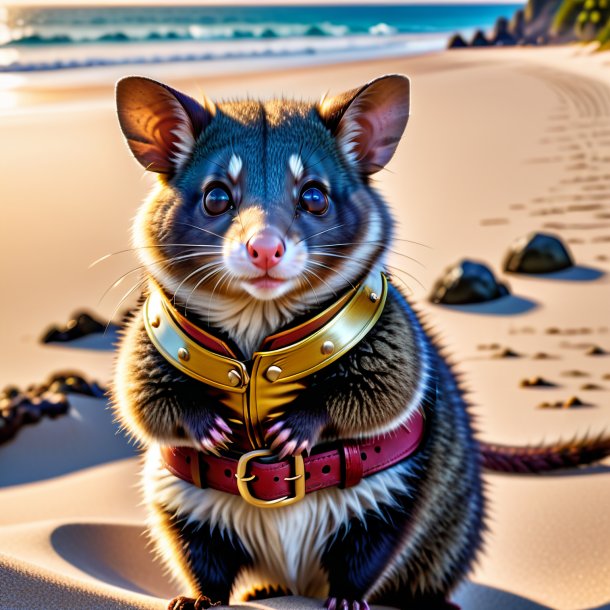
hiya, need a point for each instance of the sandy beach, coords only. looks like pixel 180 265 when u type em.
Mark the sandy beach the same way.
pixel 501 142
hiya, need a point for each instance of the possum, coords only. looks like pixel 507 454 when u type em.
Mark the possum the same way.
pixel 271 339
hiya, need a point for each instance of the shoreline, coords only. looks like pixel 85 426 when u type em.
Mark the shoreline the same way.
pixel 21 93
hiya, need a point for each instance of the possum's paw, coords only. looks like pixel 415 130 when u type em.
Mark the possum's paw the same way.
pixel 189 603
pixel 335 603
pixel 211 434
pixel 296 432
pixel 286 441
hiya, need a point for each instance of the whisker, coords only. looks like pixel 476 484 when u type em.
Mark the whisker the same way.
pixel 410 241
pixel 203 279
pixel 320 233
pixel 190 275
pixel 408 288
pixel 125 296
pixel 366 261
pixel 186 224
pixel 311 152
pixel 315 294
pixel 322 280
pixel 320 160
pixel 356 243
pixel 331 269
pixel 222 167
pixel 107 256
pixel 140 267
pixel 218 282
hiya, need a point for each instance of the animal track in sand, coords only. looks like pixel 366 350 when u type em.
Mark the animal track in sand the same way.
pixel 591 386
pixel 553 330
pixel 483 346
pixel 488 222
pixel 537 382
pixel 543 356
pixel 570 403
pixel 596 350
pixel 507 352
pixel 575 226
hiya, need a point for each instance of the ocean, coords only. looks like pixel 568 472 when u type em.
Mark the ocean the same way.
pixel 34 39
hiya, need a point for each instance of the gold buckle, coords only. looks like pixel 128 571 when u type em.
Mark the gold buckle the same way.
pixel 243 480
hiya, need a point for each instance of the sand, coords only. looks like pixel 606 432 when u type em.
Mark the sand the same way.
pixel 501 142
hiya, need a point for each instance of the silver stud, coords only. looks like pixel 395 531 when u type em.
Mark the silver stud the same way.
pixel 374 297
pixel 155 322
pixel 183 354
pixel 273 372
pixel 234 377
pixel 328 347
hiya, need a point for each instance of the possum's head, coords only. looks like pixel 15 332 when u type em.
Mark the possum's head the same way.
pixel 264 210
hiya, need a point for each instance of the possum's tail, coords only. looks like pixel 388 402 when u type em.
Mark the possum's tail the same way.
pixel 544 458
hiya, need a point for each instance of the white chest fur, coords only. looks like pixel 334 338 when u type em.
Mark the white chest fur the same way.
pixel 286 544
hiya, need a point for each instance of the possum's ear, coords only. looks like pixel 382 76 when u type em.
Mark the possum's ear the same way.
pixel 368 122
pixel 160 124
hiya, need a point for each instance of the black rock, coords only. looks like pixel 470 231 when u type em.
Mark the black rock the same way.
pixel 80 324
pixel 457 42
pixel 10 422
pixel 507 40
pixel 467 282
pixel 479 40
pixel 72 382
pixel 49 399
pixel 52 404
pixel 501 27
pixel 517 25
pixel 502 35
pixel 537 253
pixel 30 411
pixel 10 391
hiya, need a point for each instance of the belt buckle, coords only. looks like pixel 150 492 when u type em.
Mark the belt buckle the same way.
pixel 243 480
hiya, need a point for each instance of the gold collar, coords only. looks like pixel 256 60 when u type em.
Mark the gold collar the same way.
pixel 278 370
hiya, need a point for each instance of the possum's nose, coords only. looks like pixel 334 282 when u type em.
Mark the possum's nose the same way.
pixel 266 249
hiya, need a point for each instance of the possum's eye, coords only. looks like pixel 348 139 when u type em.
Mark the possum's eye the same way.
pixel 217 200
pixel 313 199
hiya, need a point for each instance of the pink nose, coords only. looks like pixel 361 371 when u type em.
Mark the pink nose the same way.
pixel 266 249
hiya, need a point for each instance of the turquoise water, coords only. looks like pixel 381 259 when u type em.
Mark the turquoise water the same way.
pixel 85 28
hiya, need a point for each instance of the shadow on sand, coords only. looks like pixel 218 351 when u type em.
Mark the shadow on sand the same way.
pixel 114 553
pixel 471 595
pixel 85 437
pixel 99 342
pixel 577 273
pixel 509 305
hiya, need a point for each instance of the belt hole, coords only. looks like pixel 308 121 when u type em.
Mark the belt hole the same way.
pixel 363 456
pixel 188 459
pixel 326 469
pixel 276 479
pixel 228 473
pixel 378 449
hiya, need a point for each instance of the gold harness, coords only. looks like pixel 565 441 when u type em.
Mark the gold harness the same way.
pixel 278 373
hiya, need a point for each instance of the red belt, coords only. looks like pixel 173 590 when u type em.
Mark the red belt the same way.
pixel 277 483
